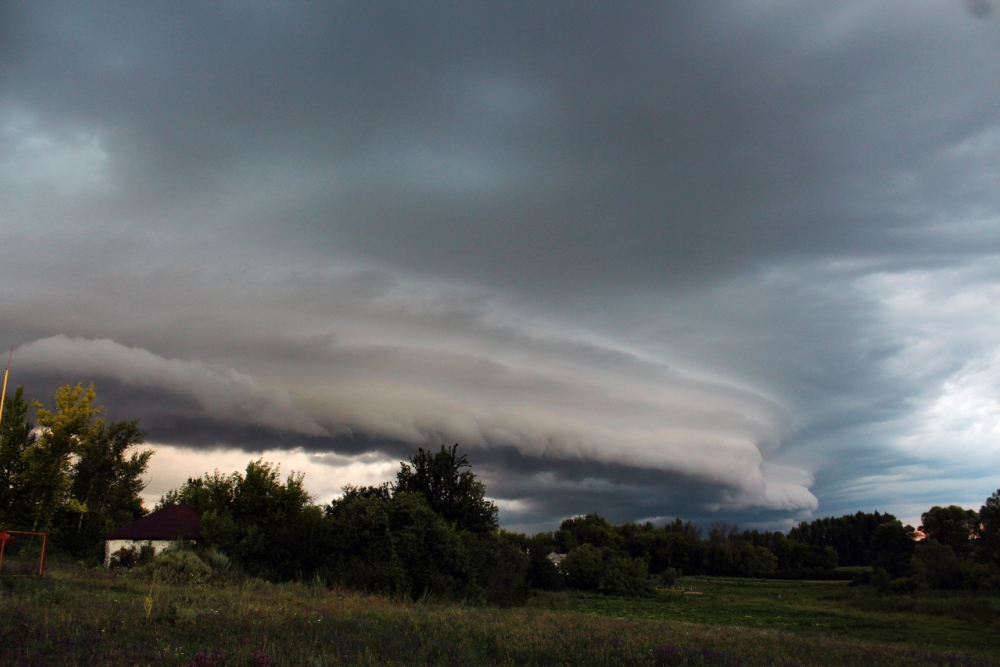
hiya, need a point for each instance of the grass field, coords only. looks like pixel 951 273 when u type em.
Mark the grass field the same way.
pixel 956 621
pixel 84 617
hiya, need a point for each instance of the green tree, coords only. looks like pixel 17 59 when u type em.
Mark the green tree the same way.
pixel 588 567
pixel 456 495
pixel 989 529
pixel 592 529
pixel 395 544
pixel 850 535
pixel 756 561
pixel 16 437
pixel 65 432
pixel 498 567
pixel 893 545
pixel 583 566
pixel 107 481
pixel 952 526
pixel 542 573
pixel 363 556
pixel 937 566
pixel 269 527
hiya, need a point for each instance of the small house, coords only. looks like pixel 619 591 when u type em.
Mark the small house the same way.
pixel 158 530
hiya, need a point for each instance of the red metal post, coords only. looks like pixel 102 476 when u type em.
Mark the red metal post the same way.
pixel 41 566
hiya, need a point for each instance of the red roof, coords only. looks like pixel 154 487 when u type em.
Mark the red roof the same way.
pixel 167 523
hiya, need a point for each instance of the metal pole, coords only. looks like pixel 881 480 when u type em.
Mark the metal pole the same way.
pixel 41 566
pixel 3 395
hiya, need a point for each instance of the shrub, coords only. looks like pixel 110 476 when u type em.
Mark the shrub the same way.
pixel 219 561
pixel 668 577
pixel 177 567
pixel 128 557
pixel 903 586
pixel 881 580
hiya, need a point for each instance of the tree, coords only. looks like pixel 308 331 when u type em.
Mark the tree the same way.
pixel 893 545
pixel 938 566
pixel 756 561
pixel 989 529
pixel 850 535
pixel 588 567
pixel 16 437
pixel 498 567
pixel 952 526
pixel 455 495
pixel 592 529
pixel 78 479
pixel 269 527
pixel 47 478
pixel 107 482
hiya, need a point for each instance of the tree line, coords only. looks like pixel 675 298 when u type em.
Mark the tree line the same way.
pixel 432 531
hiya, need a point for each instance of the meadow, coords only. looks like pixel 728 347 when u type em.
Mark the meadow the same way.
pixel 76 616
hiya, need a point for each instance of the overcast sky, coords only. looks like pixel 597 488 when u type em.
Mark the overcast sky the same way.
pixel 716 260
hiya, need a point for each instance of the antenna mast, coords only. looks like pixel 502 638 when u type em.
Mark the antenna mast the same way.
pixel 3 395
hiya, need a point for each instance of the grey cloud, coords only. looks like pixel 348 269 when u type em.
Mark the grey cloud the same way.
pixel 663 256
pixel 665 143
pixel 219 392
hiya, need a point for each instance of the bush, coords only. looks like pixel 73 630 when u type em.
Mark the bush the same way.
pixel 590 568
pixel 219 561
pixel 177 567
pixel 129 557
pixel 903 586
pixel 667 578
pixel 938 566
pixel 881 580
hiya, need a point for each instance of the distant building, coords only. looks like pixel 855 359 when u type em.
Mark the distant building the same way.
pixel 158 530
pixel 556 559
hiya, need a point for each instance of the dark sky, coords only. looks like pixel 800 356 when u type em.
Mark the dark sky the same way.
pixel 717 260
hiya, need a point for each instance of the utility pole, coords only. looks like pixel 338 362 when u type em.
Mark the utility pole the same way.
pixel 3 394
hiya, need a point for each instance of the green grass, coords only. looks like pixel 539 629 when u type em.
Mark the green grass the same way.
pixel 82 617
pixel 964 622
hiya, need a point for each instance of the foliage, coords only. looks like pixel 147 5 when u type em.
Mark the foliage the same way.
pixel 455 495
pixel 177 566
pixel 951 526
pixel 591 568
pixel 79 479
pixel 989 529
pixel 396 544
pixel 267 526
pixel 591 529
pixel 65 432
pixel 107 481
pixel 542 573
pixel 756 561
pixel 16 437
pixel 498 568
pixel 128 557
pixel 851 535
pixel 894 545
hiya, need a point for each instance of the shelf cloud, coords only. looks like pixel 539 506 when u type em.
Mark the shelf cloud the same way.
pixel 710 260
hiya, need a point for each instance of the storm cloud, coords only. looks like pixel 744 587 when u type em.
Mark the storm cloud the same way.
pixel 717 260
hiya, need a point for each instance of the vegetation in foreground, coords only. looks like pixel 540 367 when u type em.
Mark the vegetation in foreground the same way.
pixel 84 617
pixel 933 620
